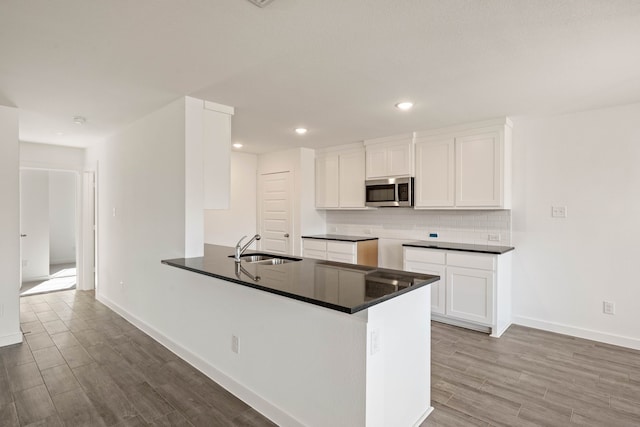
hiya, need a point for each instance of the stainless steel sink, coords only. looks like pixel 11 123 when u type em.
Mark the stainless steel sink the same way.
pixel 266 259
pixel 256 258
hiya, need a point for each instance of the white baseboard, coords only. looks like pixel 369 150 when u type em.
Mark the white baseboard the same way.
pixel 11 339
pixel 573 331
pixel 261 405
pixel 423 416
pixel 35 279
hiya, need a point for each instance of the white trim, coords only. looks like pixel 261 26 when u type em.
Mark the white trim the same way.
pixel 35 279
pixel 220 108
pixel 269 410
pixel 11 339
pixel 423 416
pixel 573 331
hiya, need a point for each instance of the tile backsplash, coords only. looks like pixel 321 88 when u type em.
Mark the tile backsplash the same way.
pixel 409 224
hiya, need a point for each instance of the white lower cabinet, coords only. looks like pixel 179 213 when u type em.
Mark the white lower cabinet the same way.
pixel 474 290
pixel 364 252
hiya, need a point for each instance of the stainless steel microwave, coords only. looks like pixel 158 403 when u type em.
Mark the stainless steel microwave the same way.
pixel 389 192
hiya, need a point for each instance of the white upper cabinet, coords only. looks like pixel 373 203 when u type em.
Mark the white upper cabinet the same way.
pixel 478 170
pixel 351 179
pixel 388 157
pixel 464 167
pixel 340 173
pixel 435 165
pixel 327 182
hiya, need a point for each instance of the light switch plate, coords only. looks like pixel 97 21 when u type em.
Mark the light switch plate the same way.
pixel 558 211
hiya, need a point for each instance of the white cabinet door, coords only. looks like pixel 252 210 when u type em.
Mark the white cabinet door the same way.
pixel 376 162
pixel 478 169
pixel 399 159
pixel 469 294
pixel 352 173
pixel 435 165
pixel 327 181
pixel 438 289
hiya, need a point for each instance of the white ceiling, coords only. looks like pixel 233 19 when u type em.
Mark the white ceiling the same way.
pixel 334 66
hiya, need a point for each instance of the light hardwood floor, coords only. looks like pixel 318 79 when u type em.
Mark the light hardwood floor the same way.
pixel 83 365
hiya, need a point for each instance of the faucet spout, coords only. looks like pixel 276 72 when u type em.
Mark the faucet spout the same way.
pixel 240 249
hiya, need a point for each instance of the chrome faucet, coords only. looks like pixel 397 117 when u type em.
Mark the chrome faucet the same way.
pixel 240 249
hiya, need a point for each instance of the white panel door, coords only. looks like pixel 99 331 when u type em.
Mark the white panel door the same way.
pixel 327 177
pixel 352 176
pixel 34 224
pixel 275 212
pixel 438 289
pixel 470 294
pixel 435 164
pixel 478 170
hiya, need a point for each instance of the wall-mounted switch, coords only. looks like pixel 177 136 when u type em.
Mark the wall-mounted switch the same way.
pixel 608 307
pixel 234 344
pixel 558 211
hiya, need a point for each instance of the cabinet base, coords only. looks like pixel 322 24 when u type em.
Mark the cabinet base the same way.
pixel 461 323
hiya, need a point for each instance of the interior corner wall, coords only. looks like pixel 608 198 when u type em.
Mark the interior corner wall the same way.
pixel 9 228
pixel 226 226
pixel 141 214
pixel 62 217
pixel 564 268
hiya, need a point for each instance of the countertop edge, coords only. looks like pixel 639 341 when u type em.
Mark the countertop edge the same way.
pixel 443 247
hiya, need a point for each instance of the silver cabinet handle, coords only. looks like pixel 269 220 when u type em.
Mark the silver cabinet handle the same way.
pixel 23 235
pixel 286 235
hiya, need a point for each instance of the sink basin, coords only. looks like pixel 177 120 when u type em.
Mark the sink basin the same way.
pixel 257 258
pixel 265 259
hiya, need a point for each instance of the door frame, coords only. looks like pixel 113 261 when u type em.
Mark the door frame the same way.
pixel 80 213
pixel 293 230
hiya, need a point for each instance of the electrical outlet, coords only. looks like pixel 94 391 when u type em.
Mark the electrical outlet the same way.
pixel 375 342
pixel 122 284
pixel 493 237
pixel 608 307
pixel 433 235
pixel 114 212
pixel 368 231
pixel 558 211
pixel 234 343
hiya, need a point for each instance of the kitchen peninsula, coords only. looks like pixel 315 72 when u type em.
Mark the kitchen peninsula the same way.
pixel 313 342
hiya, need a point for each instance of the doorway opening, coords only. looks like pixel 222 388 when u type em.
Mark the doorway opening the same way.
pixel 49 230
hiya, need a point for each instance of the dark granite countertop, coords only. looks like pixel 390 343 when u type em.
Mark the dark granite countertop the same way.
pixel 464 247
pixel 348 288
pixel 340 237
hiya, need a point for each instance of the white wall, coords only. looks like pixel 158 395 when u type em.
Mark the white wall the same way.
pixel 34 222
pixel 565 268
pixel 141 211
pixel 226 226
pixel 62 217
pixel 9 228
pixel 45 156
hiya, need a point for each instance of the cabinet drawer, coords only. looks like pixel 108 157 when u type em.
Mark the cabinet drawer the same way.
pixel 481 261
pixel 341 247
pixel 338 257
pixel 425 255
pixel 318 245
pixel 312 253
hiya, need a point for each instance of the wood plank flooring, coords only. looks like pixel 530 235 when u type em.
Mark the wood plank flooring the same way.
pixel 530 377
pixel 83 365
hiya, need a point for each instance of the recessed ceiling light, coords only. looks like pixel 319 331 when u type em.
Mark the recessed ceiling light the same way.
pixel 301 131
pixel 404 106
pixel 237 145
pixel 79 120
